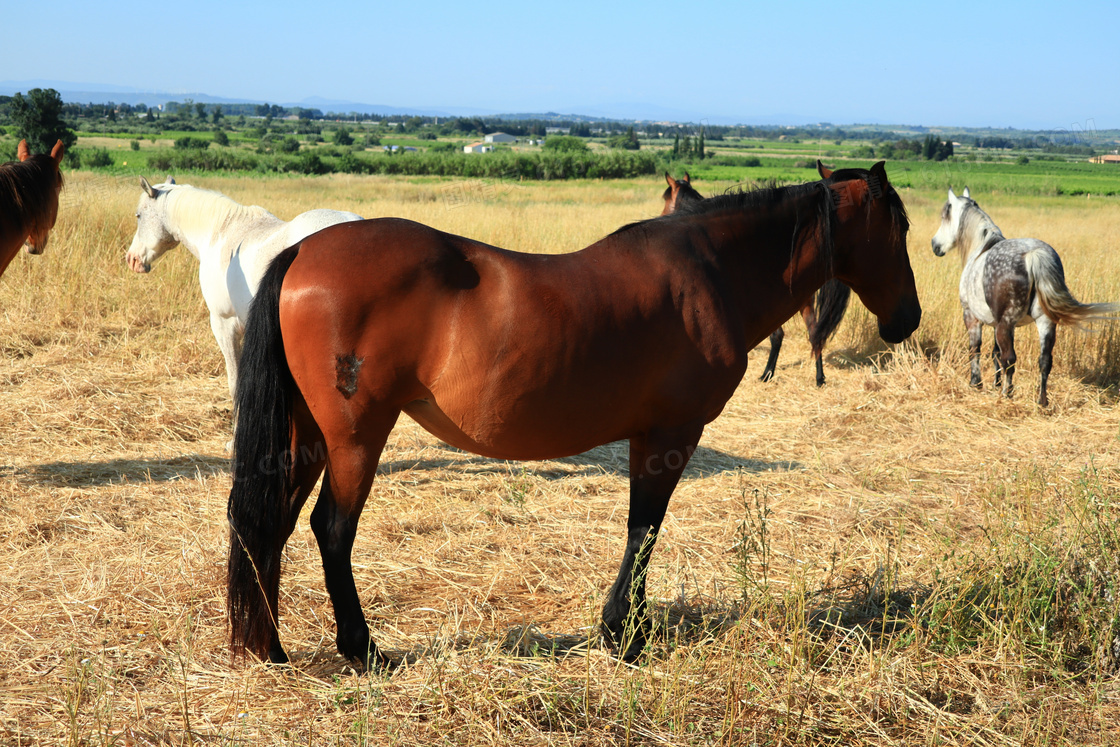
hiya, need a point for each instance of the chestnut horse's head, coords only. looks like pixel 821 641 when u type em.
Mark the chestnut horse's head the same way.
pixel 43 218
pixel 870 239
pixel 679 192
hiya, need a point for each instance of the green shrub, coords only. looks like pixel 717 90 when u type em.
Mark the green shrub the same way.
pixel 97 158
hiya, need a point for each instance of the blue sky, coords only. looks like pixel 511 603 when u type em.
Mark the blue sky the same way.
pixel 1025 65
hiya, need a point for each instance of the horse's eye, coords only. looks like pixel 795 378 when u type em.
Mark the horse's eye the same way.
pixel 138 216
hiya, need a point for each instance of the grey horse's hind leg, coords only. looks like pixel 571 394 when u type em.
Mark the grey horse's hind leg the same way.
pixel 1046 333
pixel 1005 339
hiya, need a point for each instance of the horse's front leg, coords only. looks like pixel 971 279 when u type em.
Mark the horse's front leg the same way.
pixel 1005 340
pixel 1046 333
pixel 657 460
pixel 229 333
pixel 975 337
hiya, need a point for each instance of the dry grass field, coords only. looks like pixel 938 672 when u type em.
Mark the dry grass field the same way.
pixel 892 559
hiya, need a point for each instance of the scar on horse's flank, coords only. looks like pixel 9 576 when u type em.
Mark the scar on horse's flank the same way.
pixel 347 367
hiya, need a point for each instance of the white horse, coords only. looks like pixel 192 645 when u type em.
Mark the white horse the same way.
pixel 1005 284
pixel 233 243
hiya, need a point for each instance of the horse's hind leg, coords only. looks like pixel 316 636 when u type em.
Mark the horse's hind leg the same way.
pixel 975 337
pixel 657 460
pixel 308 455
pixel 352 457
pixel 1046 333
pixel 809 314
pixel 997 362
pixel 1005 339
pixel 776 338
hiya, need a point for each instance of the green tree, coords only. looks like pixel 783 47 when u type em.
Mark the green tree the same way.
pixel 216 115
pixel 628 141
pixel 342 136
pixel 564 143
pixel 200 110
pixel 38 118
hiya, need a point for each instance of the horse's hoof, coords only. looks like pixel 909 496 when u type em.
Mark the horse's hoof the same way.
pixel 626 645
pixel 277 656
pixel 766 375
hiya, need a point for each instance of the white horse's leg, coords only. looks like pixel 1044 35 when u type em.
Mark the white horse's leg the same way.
pixel 229 334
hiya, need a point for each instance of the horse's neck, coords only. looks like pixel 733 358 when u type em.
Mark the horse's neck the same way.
pixel 763 252
pixel 204 222
pixel 981 235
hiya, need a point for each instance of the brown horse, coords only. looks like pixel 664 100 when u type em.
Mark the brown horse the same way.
pixel 29 190
pixel 822 313
pixel 643 336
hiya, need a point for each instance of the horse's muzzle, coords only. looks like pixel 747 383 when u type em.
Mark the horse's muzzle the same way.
pixel 903 321
pixel 136 264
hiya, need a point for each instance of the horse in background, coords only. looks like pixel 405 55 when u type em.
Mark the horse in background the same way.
pixel 233 244
pixel 679 192
pixel 1005 283
pixel 822 314
pixel 29 190
pixel 642 336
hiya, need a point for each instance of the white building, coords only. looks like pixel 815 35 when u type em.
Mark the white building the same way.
pixel 477 148
pixel 500 137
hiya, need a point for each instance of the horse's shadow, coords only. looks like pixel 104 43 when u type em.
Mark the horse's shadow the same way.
pixel 118 471
pixel 609 459
pixel 674 623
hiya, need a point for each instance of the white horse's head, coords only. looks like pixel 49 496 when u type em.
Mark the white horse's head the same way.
pixel 949 232
pixel 152 237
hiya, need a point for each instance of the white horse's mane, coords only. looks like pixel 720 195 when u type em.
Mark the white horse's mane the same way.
pixel 197 209
pixel 976 229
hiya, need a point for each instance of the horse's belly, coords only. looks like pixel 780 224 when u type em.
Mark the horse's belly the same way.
pixel 516 437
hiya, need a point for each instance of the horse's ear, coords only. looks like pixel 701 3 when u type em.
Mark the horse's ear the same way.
pixel 880 171
pixel 952 196
pixel 147 188
pixel 22 150
pixel 687 179
pixel 57 151
pixel 966 193
pixel 669 180
pixel 823 170
pixel 170 180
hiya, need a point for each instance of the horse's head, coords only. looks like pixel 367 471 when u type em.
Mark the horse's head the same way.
pixel 949 232
pixel 679 192
pixel 152 236
pixel 52 166
pixel 870 247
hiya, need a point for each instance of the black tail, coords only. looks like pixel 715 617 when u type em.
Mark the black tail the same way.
pixel 258 503
pixel 832 302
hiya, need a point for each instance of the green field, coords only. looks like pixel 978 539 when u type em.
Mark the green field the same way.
pixel 728 160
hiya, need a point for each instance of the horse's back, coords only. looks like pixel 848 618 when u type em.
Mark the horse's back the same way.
pixel 305 224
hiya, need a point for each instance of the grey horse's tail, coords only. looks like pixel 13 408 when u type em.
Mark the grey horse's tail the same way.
pixel 1044 268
